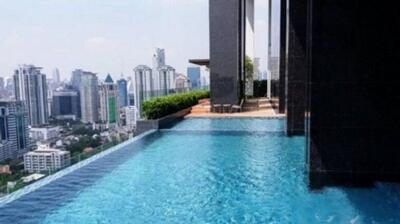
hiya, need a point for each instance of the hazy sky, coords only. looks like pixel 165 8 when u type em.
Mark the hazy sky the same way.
pixel 108 36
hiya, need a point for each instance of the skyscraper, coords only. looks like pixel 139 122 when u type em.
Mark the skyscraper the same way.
pixel 131 92
pixel 167 79
pixel 56 76
pixel 76 78
pixel 194 74
pixel 158 63
pixel 66 105
pixel 31 88
pixel 158 58
pixel 89 97
pixel 144 85
pixel 1 83
pixel 109 109
pixel 123 100
pixel 14 133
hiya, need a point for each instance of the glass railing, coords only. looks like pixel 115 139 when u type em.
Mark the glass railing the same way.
pixel 12 186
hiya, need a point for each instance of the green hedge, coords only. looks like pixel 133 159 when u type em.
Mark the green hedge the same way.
pixel 162 106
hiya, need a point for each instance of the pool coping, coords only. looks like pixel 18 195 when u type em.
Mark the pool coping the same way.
pixel 233 117
pixel 48 179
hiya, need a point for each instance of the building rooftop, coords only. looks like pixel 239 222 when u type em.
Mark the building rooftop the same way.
pixel 109 79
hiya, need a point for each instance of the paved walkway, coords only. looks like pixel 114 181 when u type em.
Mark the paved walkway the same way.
pixel 203 110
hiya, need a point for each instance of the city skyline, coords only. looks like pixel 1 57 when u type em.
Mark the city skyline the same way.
pixel 66 35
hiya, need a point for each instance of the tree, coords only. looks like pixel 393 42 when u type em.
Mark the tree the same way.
pixel 249 71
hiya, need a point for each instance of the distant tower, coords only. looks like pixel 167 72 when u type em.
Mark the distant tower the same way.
pixel 131 92
pixel 66 104
pixel 31 88
pixel 194 74
pixel 109 109
pixel 167 78
pixel 158 63
pixel 1 83
pixel 123 100
pixel 56 76
pixel 89 97
pixel 159 58
pixel 14 132
pixel 76 78
pixel 256 73
pixel 144 85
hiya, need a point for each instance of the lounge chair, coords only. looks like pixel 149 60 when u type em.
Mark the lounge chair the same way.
pixel 237 108
pixel 227 108
pixel 217 108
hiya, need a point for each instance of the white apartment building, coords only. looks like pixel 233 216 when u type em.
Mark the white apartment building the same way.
pixel 131 114
pixel 143 85
pixel 46 159
pixel 44 133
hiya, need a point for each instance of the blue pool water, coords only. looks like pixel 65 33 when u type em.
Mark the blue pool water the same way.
pixel 195 174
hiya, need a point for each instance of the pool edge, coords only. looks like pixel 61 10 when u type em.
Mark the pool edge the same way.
pixel 40 183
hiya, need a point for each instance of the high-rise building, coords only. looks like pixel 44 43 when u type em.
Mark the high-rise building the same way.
pixel 167 79
pixel 158 58
pixel 56 76
pixel 194 73
pixel 76 78
pixel 89 97
pixel 109 109
pixel 130 114
pixel 273 67
pixel 66 105
pixel 158 63
pixel 1 83
pixel 204 77
pixel 9 84
pixel 31 88
pixel 131 92
pixel 14 132
pixel 182 83
pixel 144 85
pixel 123 100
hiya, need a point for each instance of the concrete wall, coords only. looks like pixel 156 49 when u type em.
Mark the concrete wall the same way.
pixel 226 47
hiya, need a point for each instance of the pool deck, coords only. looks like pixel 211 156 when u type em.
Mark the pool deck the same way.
pixel 203 110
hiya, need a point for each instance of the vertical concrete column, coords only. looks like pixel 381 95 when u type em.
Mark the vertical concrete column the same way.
pixel 227 47
pixel 296 67
pixel 282 57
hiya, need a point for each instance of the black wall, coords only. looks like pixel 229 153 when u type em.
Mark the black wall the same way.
pixel 296 67
pixel 354 92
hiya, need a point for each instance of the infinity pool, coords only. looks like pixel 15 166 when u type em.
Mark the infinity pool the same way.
pixel 198 172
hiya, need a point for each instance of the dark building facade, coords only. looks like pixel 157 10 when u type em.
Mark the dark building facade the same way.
pixel 66 105
pixel 14 132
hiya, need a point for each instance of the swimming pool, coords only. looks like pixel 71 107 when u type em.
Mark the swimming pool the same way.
pixel 203 171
